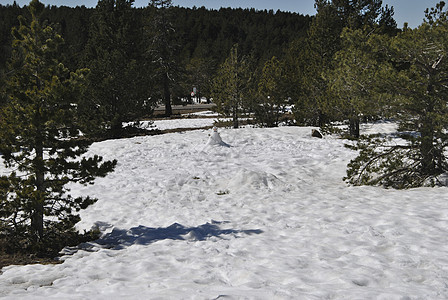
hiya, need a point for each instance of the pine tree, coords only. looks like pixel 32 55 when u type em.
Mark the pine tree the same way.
pixel 416 78
pixel 199 74
pixel 231 86
pixel 162 50
pixel 351 75
pixel 314 96
pixel 118 88
pixel 40 139
pixel 310 60
pixel 353 83
pixel 270 98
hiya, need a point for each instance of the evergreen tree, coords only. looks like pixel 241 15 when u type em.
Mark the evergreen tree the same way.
pixel 353 83
pixel 231 86
pixel 308 62
pixel 8 20
pixel 351 75
pixel 73 24
pixel 118 88
pixel 270 98
pixel 416 78
pixel 199 74
pixel 162 50
pixel 315 99
pixel 40 140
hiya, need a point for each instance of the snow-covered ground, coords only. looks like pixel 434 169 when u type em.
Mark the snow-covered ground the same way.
pixel 267 218
pixel 177 123
pixel 205 113
pixel 200 120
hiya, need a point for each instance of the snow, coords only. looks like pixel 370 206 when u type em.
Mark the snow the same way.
pixel 199 120
pixel 177 123
pixel 215 139
pixel 206 113
pixel 267 218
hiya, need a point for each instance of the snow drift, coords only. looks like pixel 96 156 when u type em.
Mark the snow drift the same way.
pixel 268 218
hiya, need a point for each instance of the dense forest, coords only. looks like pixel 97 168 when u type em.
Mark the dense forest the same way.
pixel 69 76
pixel 202 38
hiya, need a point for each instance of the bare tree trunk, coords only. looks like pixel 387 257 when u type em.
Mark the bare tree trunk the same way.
pixel 427 148
pixel 37 219
pixel 167 96
pixel 427 139
pixel 38 199
pixel 354 127
pixel 235 111
pixel 235 117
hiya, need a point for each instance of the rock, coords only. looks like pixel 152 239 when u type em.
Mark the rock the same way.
pixel 316 133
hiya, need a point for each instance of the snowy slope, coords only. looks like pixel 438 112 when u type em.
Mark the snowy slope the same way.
pixel 178 123
pixel 268 218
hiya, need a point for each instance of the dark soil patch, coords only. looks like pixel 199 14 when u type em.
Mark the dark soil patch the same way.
pixel 25 259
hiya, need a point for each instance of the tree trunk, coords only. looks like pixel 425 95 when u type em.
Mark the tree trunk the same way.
pixel 354 127
pixel 167 96
pixel 427 148
pixel 116 127
pixel 37 218
pixel 38 199
pixel 235 117
pixel 321 119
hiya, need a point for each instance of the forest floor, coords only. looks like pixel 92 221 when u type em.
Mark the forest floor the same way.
pixel 24 259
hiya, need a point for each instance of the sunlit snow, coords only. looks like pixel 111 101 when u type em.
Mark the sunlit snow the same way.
pixel 267 218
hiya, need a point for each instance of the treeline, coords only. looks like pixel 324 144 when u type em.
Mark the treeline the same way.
pixel 201 35
pixel 202 32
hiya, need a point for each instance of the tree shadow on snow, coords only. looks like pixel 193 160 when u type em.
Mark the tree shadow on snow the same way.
pixel 142 235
